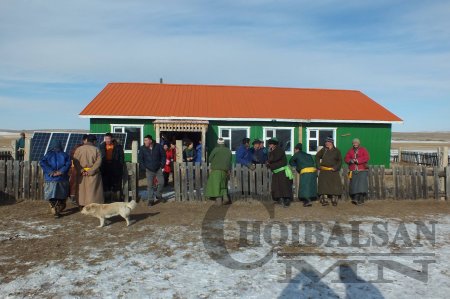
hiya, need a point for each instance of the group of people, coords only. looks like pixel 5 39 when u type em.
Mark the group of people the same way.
pixel 90 174
pixel 250 156
pixel 319 175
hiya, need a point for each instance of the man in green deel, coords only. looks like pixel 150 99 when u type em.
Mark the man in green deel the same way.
pixel 220 162
pixel 306 166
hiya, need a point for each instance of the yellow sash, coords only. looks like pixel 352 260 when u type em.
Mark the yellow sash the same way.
pixel 326 168
pixel 308 170
pixel 86 168
pixel 350 175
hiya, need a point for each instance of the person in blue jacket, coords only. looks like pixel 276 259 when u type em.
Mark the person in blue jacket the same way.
pixel 198 152
pixel 259 153
pixel 56 165
pixel 243 154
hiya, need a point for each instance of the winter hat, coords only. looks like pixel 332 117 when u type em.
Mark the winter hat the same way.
pixel 273 140
pixel 220 141
pixel 329 139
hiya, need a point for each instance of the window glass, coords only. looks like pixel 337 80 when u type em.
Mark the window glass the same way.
pixel 225 133
pixel 284 138
pixel 312 146
pixel 236 138
pixel 133 133
pixel 323 134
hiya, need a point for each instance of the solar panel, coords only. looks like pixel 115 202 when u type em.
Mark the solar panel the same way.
pixel 39 145
pixel 63 137
pixel 41 141
pixel 74 140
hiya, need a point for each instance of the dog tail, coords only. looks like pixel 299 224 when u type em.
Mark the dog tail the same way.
pixel 132 204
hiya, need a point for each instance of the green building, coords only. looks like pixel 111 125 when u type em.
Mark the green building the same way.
pixel 207 112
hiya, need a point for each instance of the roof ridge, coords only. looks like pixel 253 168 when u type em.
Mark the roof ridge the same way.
pixel 237 86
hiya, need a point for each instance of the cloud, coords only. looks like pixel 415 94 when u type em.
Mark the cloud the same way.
pixel 393 52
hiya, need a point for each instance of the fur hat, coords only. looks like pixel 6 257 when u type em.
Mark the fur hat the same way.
pixel 273 140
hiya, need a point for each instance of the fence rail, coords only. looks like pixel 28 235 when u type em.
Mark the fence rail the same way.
pixel 402 182
pixel 24 180
pixel 420 158
pixel 6 155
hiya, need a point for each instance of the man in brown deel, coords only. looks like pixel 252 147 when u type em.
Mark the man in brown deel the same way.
pixel 87 161
pixel 329 162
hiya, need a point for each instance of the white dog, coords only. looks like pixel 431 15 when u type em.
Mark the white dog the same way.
pixel 103 211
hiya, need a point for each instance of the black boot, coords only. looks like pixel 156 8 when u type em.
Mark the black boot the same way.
pixel 307 202
pixel 277 201
pixel 334 200
pixel 286 202
pixel 355 198
pixel 324 200
pixel 360 199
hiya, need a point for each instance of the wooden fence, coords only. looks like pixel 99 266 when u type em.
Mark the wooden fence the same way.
pixel 6 155
pixel 25 180
pixel 432 159
pixel 402 182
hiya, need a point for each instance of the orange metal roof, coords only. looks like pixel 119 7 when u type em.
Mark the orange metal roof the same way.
pixel 209 102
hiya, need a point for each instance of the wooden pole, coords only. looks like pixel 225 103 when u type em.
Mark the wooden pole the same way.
pixel 27 153
pixel 204 143
pixel 15 154
pixel 444 151
pixel 157 132
pixel 447 182
pixel 179 151
pixel 134 151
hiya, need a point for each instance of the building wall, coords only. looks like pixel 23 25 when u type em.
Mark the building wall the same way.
pixel 103 125
pixel 375 137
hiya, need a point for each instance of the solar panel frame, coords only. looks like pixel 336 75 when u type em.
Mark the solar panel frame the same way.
pixel 61 136
pixel 73 140
pixel 39 145
pixel 42 140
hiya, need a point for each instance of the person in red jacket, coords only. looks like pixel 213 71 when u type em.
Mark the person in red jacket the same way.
pixel 169 163
pixel 357 158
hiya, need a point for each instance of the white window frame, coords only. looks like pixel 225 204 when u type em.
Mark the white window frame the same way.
pixel 308 130
pixel 233 128
pixel 113 126
pixel 265 129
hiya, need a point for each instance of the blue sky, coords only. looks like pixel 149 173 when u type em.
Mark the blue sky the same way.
pixel 55 56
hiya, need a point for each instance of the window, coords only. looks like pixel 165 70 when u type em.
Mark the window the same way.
pixel 233 136
pixel 315 138
pixel 134 132
pixel 284 135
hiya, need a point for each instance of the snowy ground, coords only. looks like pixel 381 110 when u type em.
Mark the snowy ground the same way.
pixel 171 261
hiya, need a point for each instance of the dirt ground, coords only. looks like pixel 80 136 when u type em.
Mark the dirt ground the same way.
pixel 74 233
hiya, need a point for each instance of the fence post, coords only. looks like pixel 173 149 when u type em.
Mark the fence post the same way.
pixel 134 151
pixel 27 150
pixel 176 180
pixel 436 182
pixel 447 182
pixel 2 179
pixel 14 154
pixel 26 179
